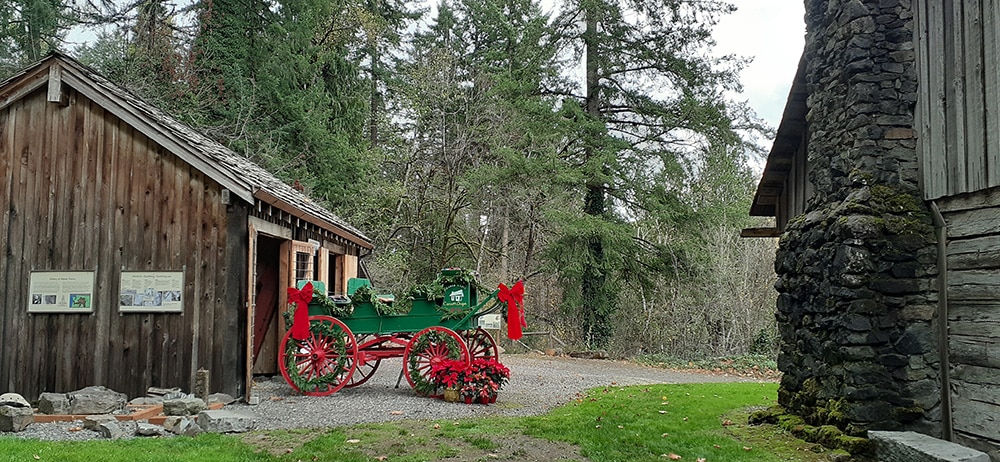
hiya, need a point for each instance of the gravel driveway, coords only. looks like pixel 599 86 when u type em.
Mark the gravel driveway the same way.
pixel 537 384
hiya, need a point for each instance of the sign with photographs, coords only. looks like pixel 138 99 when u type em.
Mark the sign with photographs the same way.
pixel 61 292
pixel 151 291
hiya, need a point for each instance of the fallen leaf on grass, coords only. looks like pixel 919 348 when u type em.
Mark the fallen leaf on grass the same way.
pixel 437 426
pixel 673 456
pixel 597 426
pixel 663 412
pixel 685 419
pixel 381 458
pixel 664 435
pixel 701 459
pixel 747 448
pixel 353 441
pixel 36 457
pixel 727 422
pixel 717 446
pixel 621 426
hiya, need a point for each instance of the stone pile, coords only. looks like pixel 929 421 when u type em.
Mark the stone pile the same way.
pixel 186 414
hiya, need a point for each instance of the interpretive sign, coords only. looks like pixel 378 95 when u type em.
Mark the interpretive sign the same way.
pixel 61 292
pixel 151 291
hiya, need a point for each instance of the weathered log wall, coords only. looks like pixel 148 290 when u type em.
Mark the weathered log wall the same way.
pixel 974 315
pixel 82 190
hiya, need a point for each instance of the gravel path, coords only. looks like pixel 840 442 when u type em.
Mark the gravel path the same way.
pixel 537 384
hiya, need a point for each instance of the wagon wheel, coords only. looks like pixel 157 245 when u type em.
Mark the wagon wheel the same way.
pixel 481 343
pixel 428 347
pixel 322 363
pixel 366 364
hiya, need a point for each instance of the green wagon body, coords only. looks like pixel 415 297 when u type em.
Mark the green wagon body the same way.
pixel 347 346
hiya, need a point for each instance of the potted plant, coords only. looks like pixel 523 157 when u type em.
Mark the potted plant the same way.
pixel 450 375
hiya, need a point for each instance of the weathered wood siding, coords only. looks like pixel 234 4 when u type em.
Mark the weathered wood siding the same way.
pixel 974 314
pixel 82 190
pixel 958 110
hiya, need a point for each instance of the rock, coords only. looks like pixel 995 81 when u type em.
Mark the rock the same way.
pixel 13 400
pixel 171 422
pixel 182 425
pixel 53 403
pixel 146 401
pixel 224 421
pixel 148 429
pixel 15 418
pixel 221 398
pixel 91 422
pixel 916 447
pixel 175 395
pixel 188 405
pixel 110 430
pixel 96 400
pixel 156 391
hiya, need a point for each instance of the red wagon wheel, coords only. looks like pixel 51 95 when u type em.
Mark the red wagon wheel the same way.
pixel 366 364
pixel 428 347
pixel 324 361
pixel 481 343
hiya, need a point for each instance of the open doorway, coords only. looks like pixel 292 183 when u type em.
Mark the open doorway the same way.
pixel 266 313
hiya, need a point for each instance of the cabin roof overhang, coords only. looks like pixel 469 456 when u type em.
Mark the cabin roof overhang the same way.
pixel 787 141
pixel 236 173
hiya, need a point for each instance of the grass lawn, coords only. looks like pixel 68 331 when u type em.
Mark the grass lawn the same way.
pixel 640 423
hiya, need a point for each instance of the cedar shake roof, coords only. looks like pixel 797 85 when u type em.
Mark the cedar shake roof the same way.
pixel 244 178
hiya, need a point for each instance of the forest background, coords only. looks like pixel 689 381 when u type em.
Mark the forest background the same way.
pixel 588 147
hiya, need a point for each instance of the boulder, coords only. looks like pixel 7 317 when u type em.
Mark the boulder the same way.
pixel 15 418
pixel 96 400
pixel 148 429
pixel 110 430
pixel 187 405
pixel 221 398
pixel 182 425
pixel 53 403
pixel 221 421
pixel 146 401
pixel 91 422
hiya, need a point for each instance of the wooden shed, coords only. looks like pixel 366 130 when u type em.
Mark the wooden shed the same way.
pixel 135 250
pixel 949 143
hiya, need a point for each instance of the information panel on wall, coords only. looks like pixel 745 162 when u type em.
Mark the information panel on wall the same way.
pixel 151 291
pixel 61 292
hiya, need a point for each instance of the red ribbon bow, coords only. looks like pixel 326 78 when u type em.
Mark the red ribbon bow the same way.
pixel 301 298
pixel 514 297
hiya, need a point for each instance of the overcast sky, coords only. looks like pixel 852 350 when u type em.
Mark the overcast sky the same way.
pixel 772 32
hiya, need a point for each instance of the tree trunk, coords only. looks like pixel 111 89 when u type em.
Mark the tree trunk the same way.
pixel 596 322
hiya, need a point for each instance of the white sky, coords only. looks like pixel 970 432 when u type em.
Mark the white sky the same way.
pixel 772 32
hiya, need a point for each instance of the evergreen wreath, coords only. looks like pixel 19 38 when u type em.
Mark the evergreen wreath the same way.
pixel 318 329
pixel 421 384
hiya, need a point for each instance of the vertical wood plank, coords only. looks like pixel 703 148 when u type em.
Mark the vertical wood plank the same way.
pixel 936 131
pixel 956 105
pixel 197 200
pixel 975 134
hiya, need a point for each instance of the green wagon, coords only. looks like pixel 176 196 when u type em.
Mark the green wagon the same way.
pixel 348 339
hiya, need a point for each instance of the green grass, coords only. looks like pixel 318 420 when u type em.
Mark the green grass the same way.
pixel 641 423
pixel 644 423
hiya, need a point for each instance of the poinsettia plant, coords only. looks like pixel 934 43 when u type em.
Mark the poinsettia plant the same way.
pixel 482 378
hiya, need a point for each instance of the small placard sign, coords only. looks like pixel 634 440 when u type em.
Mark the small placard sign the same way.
pixel 490 321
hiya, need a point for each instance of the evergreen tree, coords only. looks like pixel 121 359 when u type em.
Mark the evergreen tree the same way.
pixel 652 97
pixel 29 29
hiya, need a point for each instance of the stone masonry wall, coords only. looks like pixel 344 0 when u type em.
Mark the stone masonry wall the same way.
pixel 857 274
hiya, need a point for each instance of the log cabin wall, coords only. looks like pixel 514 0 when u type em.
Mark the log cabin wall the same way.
pixel 83 190
pixel 973 262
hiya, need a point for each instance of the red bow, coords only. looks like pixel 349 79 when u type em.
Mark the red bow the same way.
pixel 514 297
pixel 301 298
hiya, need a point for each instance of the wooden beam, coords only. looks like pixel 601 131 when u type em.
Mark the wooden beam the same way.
pixel 760 232
pixel 55 93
